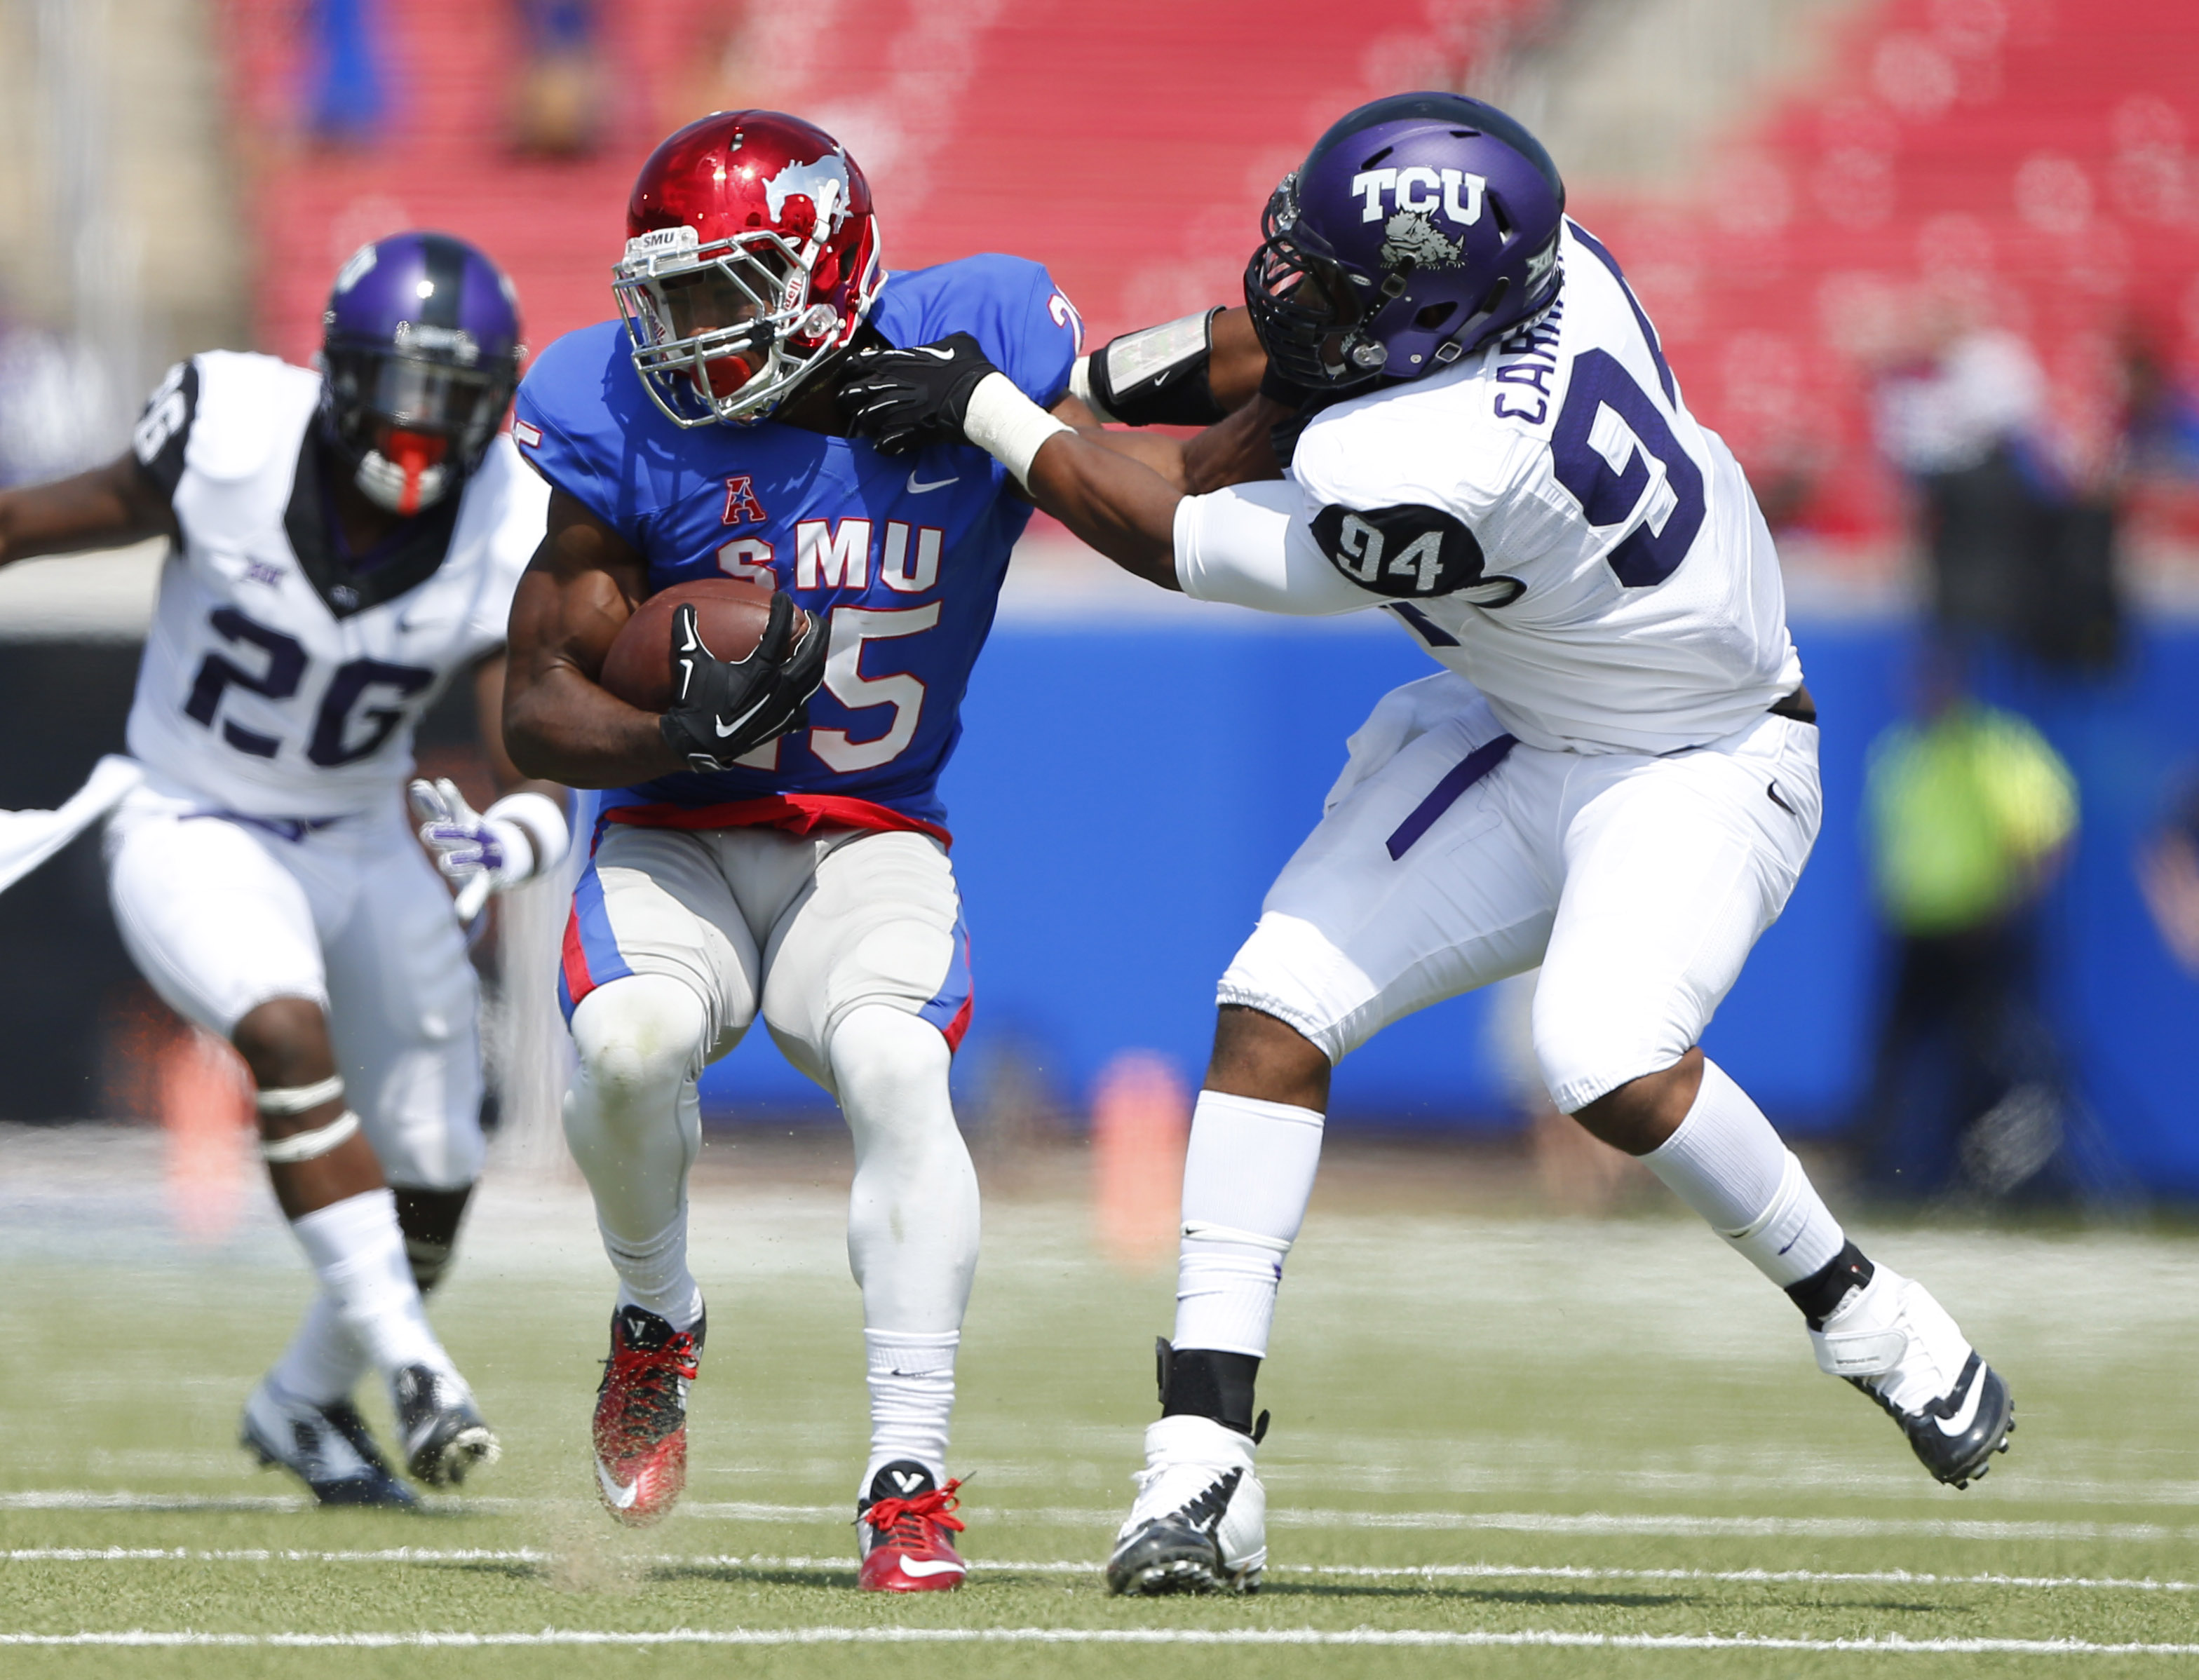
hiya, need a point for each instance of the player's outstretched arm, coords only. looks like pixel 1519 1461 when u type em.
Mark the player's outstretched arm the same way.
pixel 1247 544
pixel 1112 499
pixel 559 723
pixel 107 507
pixel 1209 370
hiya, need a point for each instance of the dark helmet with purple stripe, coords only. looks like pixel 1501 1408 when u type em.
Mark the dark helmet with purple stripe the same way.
pixel 1419 227
pixel 420 355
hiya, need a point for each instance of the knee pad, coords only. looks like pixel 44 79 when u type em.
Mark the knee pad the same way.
pixel 639 1035
pixel 1584 1054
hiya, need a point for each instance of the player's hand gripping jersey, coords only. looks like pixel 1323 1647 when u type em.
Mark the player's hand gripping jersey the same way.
pixel 901 557
pixel 1546 517
pixel 284 678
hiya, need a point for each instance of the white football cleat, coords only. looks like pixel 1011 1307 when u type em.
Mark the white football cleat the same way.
pixel 1898 1344
pixel 325 1445
pixel 1199 1524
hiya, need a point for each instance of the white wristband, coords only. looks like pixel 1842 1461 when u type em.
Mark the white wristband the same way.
pixel 1080 387
pixel 1008 425
pixel 540 821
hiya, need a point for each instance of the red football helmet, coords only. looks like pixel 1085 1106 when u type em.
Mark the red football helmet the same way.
pixel 751 257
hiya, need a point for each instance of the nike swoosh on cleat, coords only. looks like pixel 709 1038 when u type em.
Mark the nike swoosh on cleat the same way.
pixel 622 1498
pixel 924 1570
pixel 1968 1413
pixel 916 488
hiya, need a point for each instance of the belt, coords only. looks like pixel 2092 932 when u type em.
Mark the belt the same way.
pixel 1797 706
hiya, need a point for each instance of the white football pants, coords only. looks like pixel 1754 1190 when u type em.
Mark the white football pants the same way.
pixel 1639 884
pixel 850 946
pixel 222 914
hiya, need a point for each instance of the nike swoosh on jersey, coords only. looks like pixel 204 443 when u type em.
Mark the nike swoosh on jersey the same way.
pixel 917 489
pixel 1968 1413
pixel 922 1568
pixel 622 1498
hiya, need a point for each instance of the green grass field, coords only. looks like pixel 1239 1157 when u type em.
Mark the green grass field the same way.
pixel 1532 1445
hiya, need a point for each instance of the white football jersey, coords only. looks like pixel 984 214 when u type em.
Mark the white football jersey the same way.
pixel 282 679
pixel 1548 521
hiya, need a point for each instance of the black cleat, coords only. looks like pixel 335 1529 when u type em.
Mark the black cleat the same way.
pixel 1956 1436
pixel 1895 1343
pixel 327 1447
pixel 1198 1525
pixel 442 1430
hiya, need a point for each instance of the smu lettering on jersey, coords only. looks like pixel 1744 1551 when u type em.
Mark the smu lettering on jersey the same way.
pixel 1551 522
pixel 282 680
pixel 900 559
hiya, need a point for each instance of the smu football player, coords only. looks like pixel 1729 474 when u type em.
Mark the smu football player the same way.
pixel 342 546
pixel 774 843
pixel 1615 777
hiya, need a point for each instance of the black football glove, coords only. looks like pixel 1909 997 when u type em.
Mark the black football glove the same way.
pixel 721 709
pixel 903 400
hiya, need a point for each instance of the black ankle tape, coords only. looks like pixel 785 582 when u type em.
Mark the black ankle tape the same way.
pixel 1199 1382
pixel 1820 1294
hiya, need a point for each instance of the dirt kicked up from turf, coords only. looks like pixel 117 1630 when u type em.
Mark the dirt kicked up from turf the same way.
pixel 1504 1442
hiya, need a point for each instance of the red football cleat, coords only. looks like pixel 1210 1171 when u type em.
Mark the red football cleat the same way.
pixel 904 1525
pixel 641 1415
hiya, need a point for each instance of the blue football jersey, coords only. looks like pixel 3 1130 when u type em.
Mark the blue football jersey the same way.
pixel 900 557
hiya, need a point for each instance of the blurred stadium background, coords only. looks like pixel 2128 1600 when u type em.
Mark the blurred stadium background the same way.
pixel 1799 187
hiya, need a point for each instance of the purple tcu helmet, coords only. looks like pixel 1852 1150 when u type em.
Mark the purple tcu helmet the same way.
pixel 420 355
pixel 1419 227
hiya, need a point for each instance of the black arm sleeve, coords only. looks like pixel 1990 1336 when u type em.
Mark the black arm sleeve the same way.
pixel 164 430
pixel 1158 375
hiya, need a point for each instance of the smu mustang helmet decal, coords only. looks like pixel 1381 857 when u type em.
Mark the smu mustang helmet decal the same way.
pixel 1418 228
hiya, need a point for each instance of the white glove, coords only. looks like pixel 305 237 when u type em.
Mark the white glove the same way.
pixel 515 840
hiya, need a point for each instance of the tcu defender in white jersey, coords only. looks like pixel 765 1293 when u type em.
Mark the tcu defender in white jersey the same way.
pixel 345 545
pixel 1616 777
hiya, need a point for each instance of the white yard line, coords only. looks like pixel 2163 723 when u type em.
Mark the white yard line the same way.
pixel 1441 1572
pixel 1891 1644
pixel 1675 1525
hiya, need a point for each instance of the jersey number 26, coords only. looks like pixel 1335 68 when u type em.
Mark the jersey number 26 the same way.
pixel 334 743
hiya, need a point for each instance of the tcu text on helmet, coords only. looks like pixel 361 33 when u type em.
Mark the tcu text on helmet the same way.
pixel 1426 191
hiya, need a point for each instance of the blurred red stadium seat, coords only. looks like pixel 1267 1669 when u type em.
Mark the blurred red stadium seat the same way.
pixel 2045 153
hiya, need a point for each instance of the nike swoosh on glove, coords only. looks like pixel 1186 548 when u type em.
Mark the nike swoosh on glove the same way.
pixel 903 400
pixel 724 708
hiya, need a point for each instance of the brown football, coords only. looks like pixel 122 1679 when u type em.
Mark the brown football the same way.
pixel 729 612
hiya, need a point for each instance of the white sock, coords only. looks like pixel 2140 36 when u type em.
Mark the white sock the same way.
pixel 324 1361
pixel 1247 1176
pixel 911 1381
pixel 358 1251
pixel 634 1127
pixel 1727 1163
pixel 653 1272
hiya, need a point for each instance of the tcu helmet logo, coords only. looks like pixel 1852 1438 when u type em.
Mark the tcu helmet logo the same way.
pixel 742 507
pixel 1423 191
